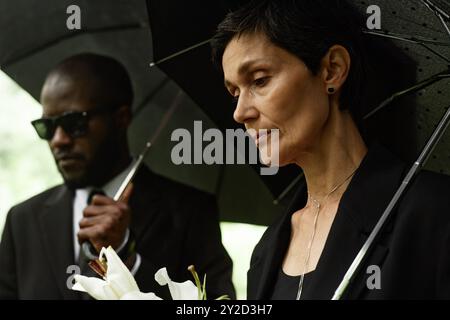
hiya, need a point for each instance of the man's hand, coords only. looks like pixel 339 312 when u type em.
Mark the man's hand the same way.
pixel 105 221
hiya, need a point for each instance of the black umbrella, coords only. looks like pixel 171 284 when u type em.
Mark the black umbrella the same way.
pixel 410 55
pixel 181 32
pixel 35 37
pixel 429 48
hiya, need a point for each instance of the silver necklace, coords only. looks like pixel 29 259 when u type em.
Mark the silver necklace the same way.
pixel 317 206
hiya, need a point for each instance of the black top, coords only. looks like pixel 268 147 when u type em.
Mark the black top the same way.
pixel 415 241
pixel 286 286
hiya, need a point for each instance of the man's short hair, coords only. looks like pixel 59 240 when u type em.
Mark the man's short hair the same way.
pixel 109 84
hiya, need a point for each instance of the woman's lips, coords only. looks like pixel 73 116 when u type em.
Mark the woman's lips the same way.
pixel 259 135
pixel 263 138
pixel 253 134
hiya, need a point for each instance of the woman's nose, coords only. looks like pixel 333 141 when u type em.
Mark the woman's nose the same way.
pixel 245 110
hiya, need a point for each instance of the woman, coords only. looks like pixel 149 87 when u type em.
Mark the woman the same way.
pixel 296 66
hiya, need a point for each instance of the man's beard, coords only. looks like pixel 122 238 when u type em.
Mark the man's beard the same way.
pixel 100 169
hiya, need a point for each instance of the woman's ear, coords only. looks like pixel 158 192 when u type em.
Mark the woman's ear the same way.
pixel 335 68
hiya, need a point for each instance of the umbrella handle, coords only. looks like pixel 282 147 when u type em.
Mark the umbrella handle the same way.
pixel 87 246
pixel 88 249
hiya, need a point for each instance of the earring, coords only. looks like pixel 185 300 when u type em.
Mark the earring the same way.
pixel 330 90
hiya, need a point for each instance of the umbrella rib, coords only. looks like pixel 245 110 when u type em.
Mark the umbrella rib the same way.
pixel 441 14
pixel 418 86
pixel 435 8
pixel 444 24
pixel 168 115
pixel 414 40
pixel 407 38
pixel 419 24
pixel 288 188
pixel 176 54
pixel 69 36
pixel 435 52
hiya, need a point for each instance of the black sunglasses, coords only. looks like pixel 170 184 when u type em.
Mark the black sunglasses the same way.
pixel 74 123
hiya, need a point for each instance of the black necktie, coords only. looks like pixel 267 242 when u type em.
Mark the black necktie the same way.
pixel 83 259
pixel 93 193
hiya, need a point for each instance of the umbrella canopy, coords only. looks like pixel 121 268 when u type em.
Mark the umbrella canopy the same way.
pixel 35 38
pixel 417 49
pixel 420 35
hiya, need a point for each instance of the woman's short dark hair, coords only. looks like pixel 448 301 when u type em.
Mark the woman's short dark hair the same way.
pixel 305 28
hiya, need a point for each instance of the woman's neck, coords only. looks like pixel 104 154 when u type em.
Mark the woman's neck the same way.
pixel 334 157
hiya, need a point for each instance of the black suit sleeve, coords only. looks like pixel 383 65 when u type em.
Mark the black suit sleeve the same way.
pixel 205 250
pixel 8 278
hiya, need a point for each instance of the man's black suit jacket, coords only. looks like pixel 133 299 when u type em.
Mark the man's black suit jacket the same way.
pixel 412 252
pixel 174 226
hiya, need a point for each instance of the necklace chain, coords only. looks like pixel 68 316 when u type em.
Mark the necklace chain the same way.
pixel 317 205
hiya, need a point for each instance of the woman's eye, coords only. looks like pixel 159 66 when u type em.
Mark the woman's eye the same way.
pixel 235 99
pixel 260 81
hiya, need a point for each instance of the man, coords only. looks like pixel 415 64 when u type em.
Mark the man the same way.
pixel 86 112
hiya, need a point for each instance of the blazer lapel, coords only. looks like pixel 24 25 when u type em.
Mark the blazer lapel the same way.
pixel 361 205
pixel 265 270
pixel 263 273
pixel 57 232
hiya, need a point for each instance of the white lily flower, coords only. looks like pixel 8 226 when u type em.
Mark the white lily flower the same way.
pixel 179 291
pixel 118 283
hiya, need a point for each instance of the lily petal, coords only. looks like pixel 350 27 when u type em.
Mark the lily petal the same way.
pixel 78 287
pixel 117 274
pixel 179 291
pixel 118 283
pixel 97 288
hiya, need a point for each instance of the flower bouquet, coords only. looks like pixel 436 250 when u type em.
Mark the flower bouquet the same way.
pixel 118 283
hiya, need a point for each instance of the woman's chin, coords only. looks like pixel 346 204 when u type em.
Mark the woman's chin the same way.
pixel 278 159
pixel 273 162
pixel 267 161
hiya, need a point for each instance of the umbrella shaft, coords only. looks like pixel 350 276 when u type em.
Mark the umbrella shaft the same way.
pixel 426 152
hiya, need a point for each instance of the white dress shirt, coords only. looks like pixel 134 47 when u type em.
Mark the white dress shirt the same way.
pixel 80 203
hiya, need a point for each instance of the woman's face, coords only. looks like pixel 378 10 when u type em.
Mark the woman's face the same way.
pixel 275 90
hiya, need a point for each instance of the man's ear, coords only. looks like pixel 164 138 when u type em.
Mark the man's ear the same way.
pixel 123 116
pixel 335 68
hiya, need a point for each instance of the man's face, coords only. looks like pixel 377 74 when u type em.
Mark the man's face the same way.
pixel 85 160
